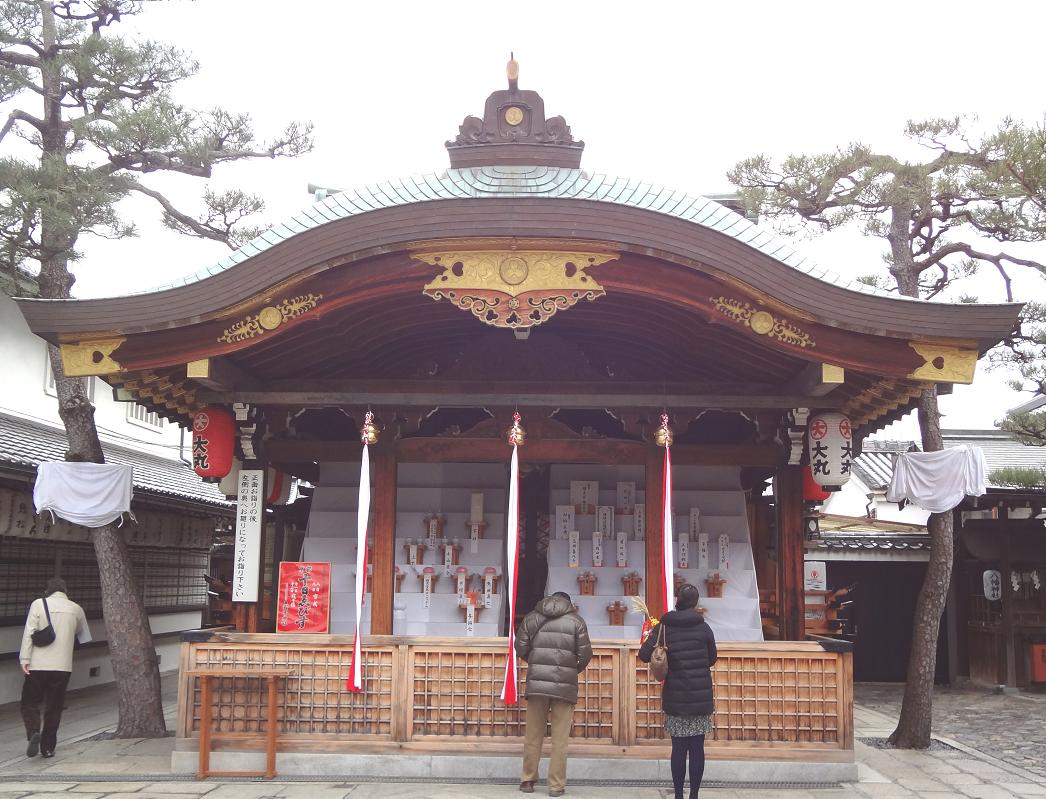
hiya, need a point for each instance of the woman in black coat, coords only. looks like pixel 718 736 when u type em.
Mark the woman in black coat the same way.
pixel 686 696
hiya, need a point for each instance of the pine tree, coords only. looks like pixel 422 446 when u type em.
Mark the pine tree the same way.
pixel 941 219
pixel 99 113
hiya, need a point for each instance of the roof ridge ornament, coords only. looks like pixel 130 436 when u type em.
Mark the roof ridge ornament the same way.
pixel 514 132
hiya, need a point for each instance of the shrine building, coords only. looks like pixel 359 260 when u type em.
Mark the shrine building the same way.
pixel 515 281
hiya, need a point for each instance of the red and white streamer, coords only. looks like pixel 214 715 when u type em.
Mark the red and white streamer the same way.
pixel 667 559
pixel 508 690
pixel 355 682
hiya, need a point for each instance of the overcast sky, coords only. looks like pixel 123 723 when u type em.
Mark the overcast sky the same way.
pixel 672 93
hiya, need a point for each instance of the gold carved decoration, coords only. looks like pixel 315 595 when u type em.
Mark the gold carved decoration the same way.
pixel 944 363
pixel 513 115
pixel 762 323
pixel 514 288
pixel 269 318
pixel 86 358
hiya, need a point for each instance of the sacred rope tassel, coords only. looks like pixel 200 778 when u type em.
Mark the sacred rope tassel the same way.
pixel 516 436
pixel 368 436
pixel 664 439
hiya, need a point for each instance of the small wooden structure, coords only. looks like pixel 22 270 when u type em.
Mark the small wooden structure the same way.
pixel 616 611
pixel 630 583
pixel 714 586
pixel 586 582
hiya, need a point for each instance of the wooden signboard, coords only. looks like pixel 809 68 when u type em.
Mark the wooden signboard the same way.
pixel 304 599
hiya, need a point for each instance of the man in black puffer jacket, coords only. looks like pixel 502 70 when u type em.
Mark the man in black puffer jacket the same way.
pixel 553 640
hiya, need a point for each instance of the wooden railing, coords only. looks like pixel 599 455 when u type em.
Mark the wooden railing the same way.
pixel 774 700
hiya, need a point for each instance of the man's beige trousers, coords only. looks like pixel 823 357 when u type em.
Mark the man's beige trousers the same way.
pixel 537 713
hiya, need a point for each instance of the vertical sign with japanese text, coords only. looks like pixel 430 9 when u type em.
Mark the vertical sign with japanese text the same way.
pixel 246 557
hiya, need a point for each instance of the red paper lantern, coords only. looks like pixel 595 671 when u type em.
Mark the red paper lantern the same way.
pixel 213 435
pixel 811 491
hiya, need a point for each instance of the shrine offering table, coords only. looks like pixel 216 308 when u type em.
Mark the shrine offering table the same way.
pixel 775 701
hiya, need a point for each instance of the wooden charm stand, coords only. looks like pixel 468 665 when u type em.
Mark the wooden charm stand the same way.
pixel 455 552
pixel 631 583
pixel 421 551
pixel 587 583
pixel 714 586
pixel 616 611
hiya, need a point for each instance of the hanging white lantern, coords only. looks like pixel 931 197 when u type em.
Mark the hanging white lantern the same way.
pixel 229 485
pixel 992 583
pixel 829 441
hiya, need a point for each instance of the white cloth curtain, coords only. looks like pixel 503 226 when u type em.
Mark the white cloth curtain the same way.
pixel 89 494
pixel 938 481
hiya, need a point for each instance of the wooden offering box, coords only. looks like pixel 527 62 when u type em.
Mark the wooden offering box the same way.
pixel 465 610
pixel 714 586
pixel 430 572
pixel 462 572
pixel 455 551
pixel 421 552
pixel 616 610
pixel 631 583
pixel 587 583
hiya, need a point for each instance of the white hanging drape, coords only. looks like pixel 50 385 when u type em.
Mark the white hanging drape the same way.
pixel 938 481
pixel 90 494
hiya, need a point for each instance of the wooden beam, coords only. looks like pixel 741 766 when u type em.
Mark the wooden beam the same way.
pixel 382 588
pixel 305 399
pixel 817 380
pixel 410 393
pixel 791 594
pixel 654 459
pixel 220 374
pixel 495 450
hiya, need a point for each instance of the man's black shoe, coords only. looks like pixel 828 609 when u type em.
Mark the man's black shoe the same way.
pixel 34 745
pixel 47 754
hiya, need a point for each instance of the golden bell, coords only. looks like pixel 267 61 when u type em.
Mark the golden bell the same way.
pixel 663 436
pixel 369 433
pixel 516 434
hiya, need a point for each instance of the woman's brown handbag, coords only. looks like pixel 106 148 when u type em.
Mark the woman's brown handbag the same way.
pixel 659 657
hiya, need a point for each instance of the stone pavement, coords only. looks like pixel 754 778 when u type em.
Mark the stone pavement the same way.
pixel 1010 727
pixel 88 765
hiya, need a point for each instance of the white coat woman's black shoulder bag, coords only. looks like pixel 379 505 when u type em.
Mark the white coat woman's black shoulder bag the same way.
pixel 46 636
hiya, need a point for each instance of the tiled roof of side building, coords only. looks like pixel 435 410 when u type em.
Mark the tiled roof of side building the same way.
pixel 1001 450
pixel 27 443
pixel 530 181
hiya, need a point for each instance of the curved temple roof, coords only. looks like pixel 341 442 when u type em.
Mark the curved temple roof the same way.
pixel 531 181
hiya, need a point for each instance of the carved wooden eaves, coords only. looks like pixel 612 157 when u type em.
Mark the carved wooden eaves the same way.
pixel 514 288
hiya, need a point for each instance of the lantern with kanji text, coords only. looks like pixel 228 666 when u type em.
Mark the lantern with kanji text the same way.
pixel 830 447
pixel 213 437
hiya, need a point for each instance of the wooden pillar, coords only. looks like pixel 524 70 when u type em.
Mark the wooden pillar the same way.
pixel 655 469
pixel 791 596
pixel 1006 567
pixel 383 478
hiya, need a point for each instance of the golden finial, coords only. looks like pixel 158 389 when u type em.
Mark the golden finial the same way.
pixel 512 69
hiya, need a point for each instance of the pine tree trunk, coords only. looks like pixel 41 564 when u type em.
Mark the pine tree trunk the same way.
pixel 127 624
pixel 913 727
